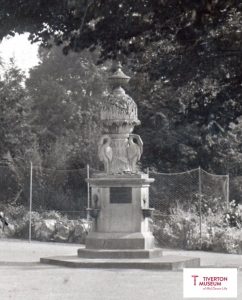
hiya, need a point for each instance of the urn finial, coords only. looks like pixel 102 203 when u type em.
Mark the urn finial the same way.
pixel 118 78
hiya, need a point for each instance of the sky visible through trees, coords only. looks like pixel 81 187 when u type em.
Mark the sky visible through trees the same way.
pixel 21 50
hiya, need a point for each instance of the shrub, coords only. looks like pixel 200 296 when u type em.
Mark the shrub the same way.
pixel 46 226
pixel 220 230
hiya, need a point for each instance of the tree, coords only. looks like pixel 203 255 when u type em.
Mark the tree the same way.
pixel 67 94
pixel 127 25
pixel 16 138
pixel 183 127
pixel 14 129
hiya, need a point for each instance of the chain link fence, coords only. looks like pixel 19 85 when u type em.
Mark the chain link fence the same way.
pixel 182 202
pixel 43 203
pixel 64 191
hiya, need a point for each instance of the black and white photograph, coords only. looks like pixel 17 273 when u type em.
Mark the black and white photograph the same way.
pixel 120 149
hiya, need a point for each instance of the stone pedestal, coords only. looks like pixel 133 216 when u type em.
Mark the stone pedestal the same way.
pixel 120 207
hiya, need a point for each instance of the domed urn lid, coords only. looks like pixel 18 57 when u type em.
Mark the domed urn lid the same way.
pixel 119 107
pixel 118 78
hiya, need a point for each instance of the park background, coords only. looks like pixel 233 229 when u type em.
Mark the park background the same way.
pixel 184 60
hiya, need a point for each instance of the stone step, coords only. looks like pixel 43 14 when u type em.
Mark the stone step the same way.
pixel 104 253
pixel 162 263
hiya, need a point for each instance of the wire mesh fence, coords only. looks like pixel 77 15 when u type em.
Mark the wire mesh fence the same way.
pixel 181 200
pixel 170 190
pixel 61 190
pixel 14 184
pixel 214 190
pixel 36 200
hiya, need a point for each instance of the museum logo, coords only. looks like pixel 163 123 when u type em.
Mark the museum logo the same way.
pixel 210 283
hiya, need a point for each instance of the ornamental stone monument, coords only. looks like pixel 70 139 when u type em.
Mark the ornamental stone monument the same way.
pixel 120 194
pixel 121 235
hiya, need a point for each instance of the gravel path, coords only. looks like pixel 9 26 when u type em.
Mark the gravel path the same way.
pixel 23 278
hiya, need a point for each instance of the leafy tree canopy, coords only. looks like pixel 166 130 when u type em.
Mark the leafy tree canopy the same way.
pixel 66 93
pixel 175 41
pixel 14 107
pixel 127 25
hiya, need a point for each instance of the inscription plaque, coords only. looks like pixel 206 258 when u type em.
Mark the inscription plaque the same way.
pixel 120 195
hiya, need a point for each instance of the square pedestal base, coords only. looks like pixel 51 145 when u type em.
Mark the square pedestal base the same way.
pixel 113 254
pixel 114 240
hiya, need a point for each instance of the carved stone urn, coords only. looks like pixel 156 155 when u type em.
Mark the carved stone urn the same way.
pixel 119 115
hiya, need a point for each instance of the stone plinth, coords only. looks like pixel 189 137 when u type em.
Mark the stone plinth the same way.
pixel 117 240
pixel 172 263
pixel 120 200
pixel 119 253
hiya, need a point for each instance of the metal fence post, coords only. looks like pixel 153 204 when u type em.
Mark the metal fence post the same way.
pixel 30 200
pixel 200 203
pixel 227 192
pixel 88 193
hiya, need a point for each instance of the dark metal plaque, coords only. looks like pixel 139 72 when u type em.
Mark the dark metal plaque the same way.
pixel 120 195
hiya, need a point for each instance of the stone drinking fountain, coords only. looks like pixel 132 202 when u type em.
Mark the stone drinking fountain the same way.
pixel 121 235
pixel 120 195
